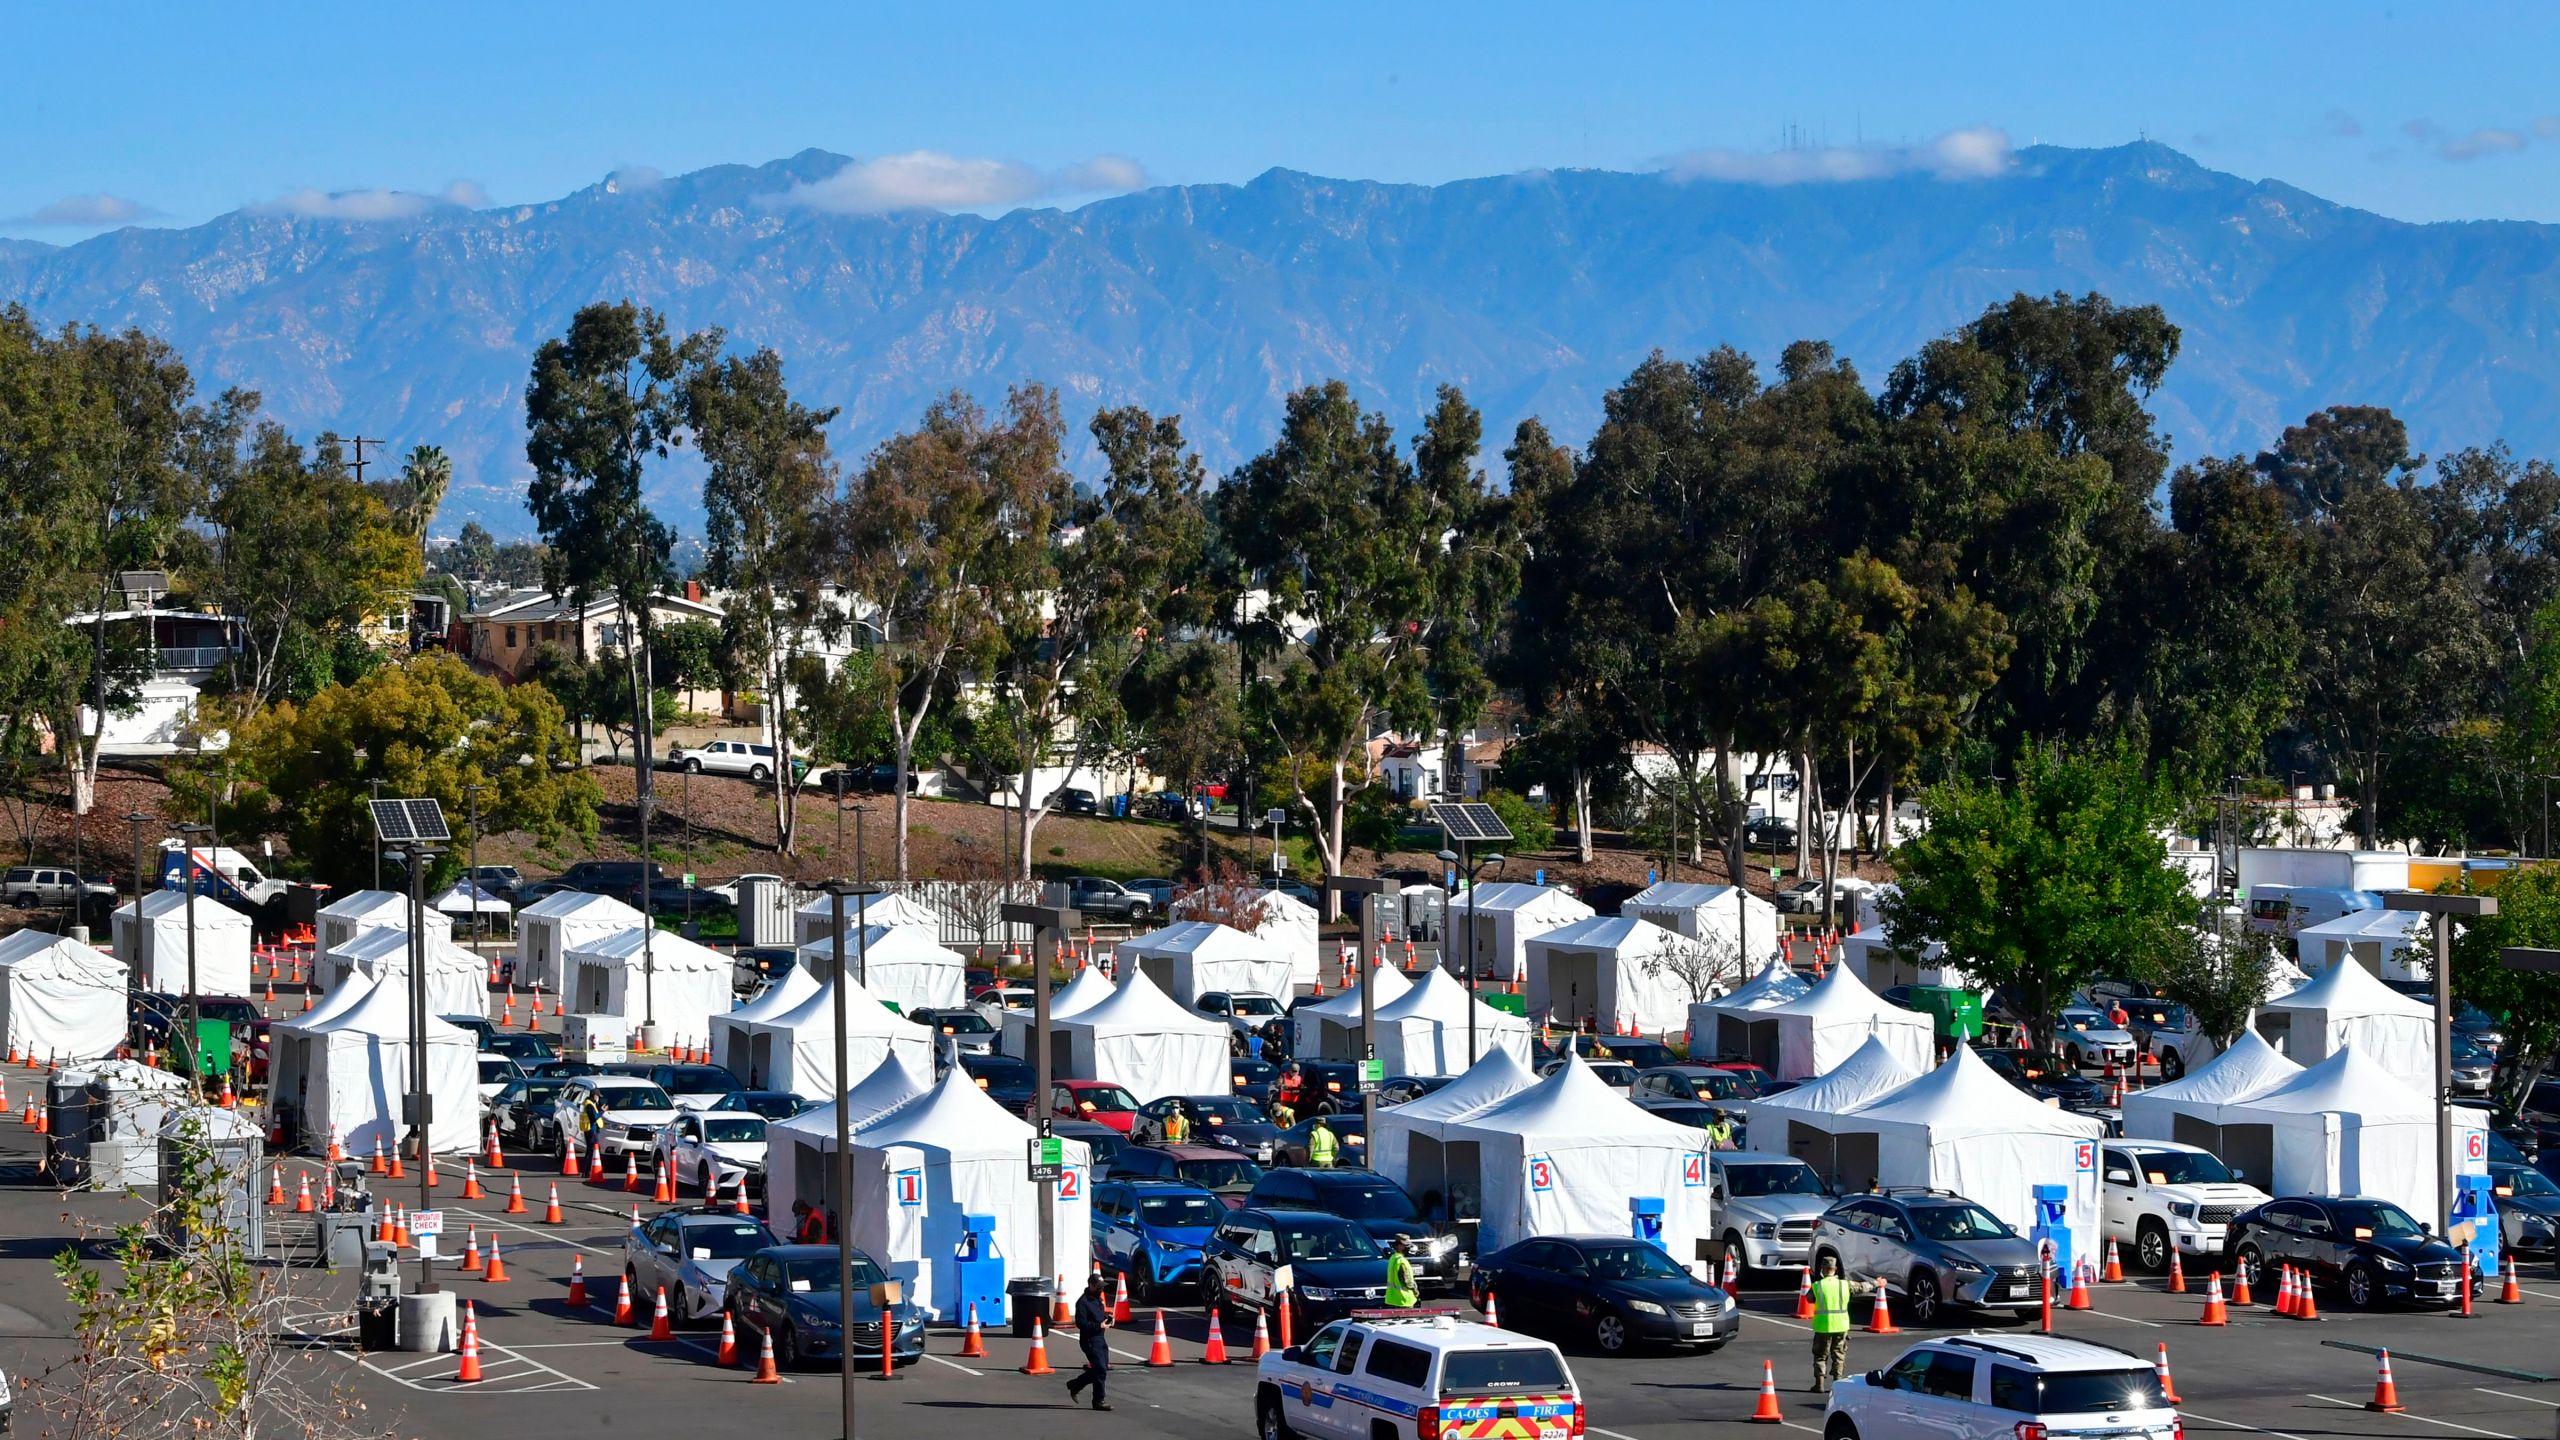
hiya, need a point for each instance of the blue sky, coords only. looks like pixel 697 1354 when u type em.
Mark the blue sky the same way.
pixel 172 114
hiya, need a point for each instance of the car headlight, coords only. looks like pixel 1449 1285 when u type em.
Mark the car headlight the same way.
pixel 1176 1247
pixel 1443 1244
pixel 1227 1140
pixel 820 1324
pixel 1646 1307
pixel 1763 1230
pixel 1967 1267
pixel 2394 1265
pixel 2183 1209
pixel 1314 1292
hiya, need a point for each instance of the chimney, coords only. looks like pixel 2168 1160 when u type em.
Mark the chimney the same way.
pixel 693 590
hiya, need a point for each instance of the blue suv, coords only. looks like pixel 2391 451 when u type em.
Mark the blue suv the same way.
pixel 1151 1231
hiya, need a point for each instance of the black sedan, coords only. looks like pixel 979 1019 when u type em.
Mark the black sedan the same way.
pixel 1607 1289
pixel 2047 1077
pixel 771 1104
pixel 1220 1120
pixel 790 1290
pixel 2528 1208
pixel 1007 1081
pixel 514 1108
pixel 2370 1250
pixel 1251 1079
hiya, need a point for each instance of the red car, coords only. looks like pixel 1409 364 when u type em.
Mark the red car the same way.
pixel 1099 1101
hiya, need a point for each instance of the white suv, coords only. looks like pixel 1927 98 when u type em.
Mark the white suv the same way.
pixel 1978 1387
pixel 1407 1375
pixel 2160 1196
pixel 727 757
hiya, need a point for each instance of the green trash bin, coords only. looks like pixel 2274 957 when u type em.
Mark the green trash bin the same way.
pixel 1956 1012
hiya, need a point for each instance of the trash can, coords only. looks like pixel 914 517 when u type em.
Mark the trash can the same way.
pixel 1026 1300
pixel 378 1323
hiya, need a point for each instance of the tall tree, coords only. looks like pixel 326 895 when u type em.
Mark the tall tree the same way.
pixel 764 499
pixel 2223 627
pixel 1575 739
pixel 424 478
pixel 1474 578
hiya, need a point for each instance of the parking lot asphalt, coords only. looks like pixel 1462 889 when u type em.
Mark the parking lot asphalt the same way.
pixel 552 1368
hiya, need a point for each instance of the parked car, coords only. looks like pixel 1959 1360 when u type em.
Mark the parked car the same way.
pixel 1616 1074
pixel 497 1072
pixel 688 1254
pixel 1244 1011
pixel 771 1104
pixel 1336 1266
pixel 2091 1040
pixel 513 1109
pixel 557 1069
pixel 500 880
pixel 2158 1198
pixel 1770 833
pixel 1152 1231
pixel 755 966
pixel 1159 893
pixel 1350 1132
pixel 1605 1289
pixel 789 1292
pixel 2369 1250
pixel 2528 1209
pixel 1110 900
pixel 1691 1082
pixel 620 1114
pixel 1251 1079
pixel 2047 1077
pixel 1405 1089
pixel 522 1046
pixel 1375 1204
pixel 1223 1173
pixel 1452 1376
pixel 1800 897
pixel 1983 1385
pixel 713 1150
pixel 2473 1067
pixel 692 1086
pixel 961 1030
pixel 1767 1205
pixel 1933 1248
pixel 1076 800
pixel 624 880
pixel 1099 1101
pixel 31 887
pixel 1222 1121
pixel 482 1029
pixel 1007 1081
pixel 1105 1143
pixel 730 757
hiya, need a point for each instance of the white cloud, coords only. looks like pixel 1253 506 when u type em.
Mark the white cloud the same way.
pixel 2339 125
pixel 1969 154
pixel 931 180
pixel 375 204
pixel 2488 140
pixel 89 212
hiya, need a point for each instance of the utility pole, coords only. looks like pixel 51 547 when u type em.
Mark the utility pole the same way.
pixel 135 820
pixel 1048 923
pixel 1374 897
pixel 471 798
pixel 195 998
pixel 2440 911
pixel 421 1102
pixel 843 1186
pixel 377 838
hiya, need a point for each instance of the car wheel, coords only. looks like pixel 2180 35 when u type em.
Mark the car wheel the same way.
pixel 692 766
pixel 786 1348
pixel 1609 1332
pixel 2171 1067
pixel 1922 1293
pixel 1733 1247
pixel 1142 1282
pixel 2361 1290
pixel 2151 1245
pixel 2247 1261
pixel 1268 1422
pixel 759 774
pixel 1840 1428
pixel 678 1313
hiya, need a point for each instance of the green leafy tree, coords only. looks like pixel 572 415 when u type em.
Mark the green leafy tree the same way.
pixel 1575 741
pixel 2221 979
pixel 2527 1001
pixel 473 555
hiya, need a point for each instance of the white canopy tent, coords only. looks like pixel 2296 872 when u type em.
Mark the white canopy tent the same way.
pixel 2393 944
pixel 1624 974
pixel 1089 988
pixel 729 1032
pixel 1330 1029
pixel 352 914
pixel 799 1151
pixel 291 1041
pixel 1882 966
pixel 796 1050
pixel 1285 924
pixel 684 984
pixel 1196 957
pixel 815 921
pixel 1409 1140
pixel 1568 1154
pixel 1722 1026
pixel 2345 1006
pixel 459 902
pixel 155 948
pixel 60 999
pixel 1827 1024
pixel 1139 1039
pixel 2347 1126
pixel 2193 1108
pixel 360 1069
pixel 1963 1128
pixel 1425 1031
pixel 1490 925
pixel 950 1152
pixel 1869 1074
pixel 901 965
pixel 1740 925
pixel 457 980
pixel 549 928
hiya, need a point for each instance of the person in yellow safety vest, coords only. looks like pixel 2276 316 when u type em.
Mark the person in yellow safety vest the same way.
pixel 1321 1145
pixel 1176 1127
pixel 1831 1321
pixel 1720 1131
pixel 1401 1294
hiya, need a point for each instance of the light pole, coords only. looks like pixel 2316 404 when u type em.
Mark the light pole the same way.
pixel 1275 818
pixel 1374 895
pixel 1452 857
pixel 843 1185
pixel 1047 922
pixel 471 863
pixel 135 820
pixel 377 837
pixel 195 1001
pixel 421 1102
pixel 2441 910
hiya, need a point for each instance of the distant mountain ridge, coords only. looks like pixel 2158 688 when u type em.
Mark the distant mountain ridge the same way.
pixel 1534 292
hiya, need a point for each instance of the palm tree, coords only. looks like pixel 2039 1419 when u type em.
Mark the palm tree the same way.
pixel 427 474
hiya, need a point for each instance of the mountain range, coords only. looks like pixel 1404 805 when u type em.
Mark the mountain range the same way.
pixel 1534 292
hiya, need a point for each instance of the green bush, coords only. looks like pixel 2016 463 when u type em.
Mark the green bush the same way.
pixel 1531 826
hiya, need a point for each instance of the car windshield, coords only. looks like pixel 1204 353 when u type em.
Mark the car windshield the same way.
pixel 2086 1020
pixel 1795 1178
pixel 1719 1085
pixel 729 1240
pixel 1225 1110
pixel 1104 1099
pixel 1253 1072
pixel 819 1273
pixel 701 1080
pixel 1632 1262
pixel 1253 1005
pixel 2152 1012
pixel 497 1067
pixel 1173 1212
pixel 2368 1218
pixel 962 1022
pixel 2182 1167
pixel 1220 1174
pixel 1302 1241
pixel 1518 1369
pixel 1958 1222
pixel 772 1105
pixel 2521 1181
pixel 993 1070
pixel 1619 1075
pixel 641 1096
pixel 1378 1200
pixel 735 1129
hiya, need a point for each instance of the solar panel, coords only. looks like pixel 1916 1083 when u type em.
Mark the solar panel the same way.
pixel 402 822
pixel 1471 822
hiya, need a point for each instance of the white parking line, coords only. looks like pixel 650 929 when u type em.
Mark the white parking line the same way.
pixel 2186 1413
pixel 2111 1315
pixel 1774 1320
pixel 2528 1399
pixel 954 1364
pixel 2426 1419
pixel 498 1364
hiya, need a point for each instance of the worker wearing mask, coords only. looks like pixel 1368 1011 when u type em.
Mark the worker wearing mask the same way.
pixel 1322 1145
pixel 1831 1294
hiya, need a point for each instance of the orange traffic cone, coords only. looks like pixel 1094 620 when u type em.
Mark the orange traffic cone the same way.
pixel 2386 1394
pixel 1038 1363
pixel 2306 1301
pixel 622 1312
pixel 2284 1292
pixel 433 1179
pixel 661 1326
pixel 1215 1352
pixel 229 1101
pixel 728 1353
pixel 515 1196
pixel 497 1263
pixel 1880 1315
pixel 569 1158
pixel 1062 1314
pixel 471 1251
pixel 1160 1354
pixel 497 1158
pixel 973 1345
pixel 1732 1277
pixel 377 1167
pixel 595 1164
pixel 578 1281
pixel 1261 1336
pixel 2115 1264
pixel 2214 1314
pixel 630 1172
pixel 28 1116
pixel 2510 1292
pixel 397 1173
pixel 2168 1387
pixel 302 1201
pixel 1120 1302
pixel 1280 1302
pixel 766 1374
pixel 471 1182
pixel 551 1212
pixel 742 1206
pixel 2177 1275
pixel 2079 1287
pixel 664 1191
pixel 470 1371
pixel 1767 1411
pixel 275 1185
pixel 1492 1313
pixel 1804 1293
pixel 336 1151
pixel 2240 1287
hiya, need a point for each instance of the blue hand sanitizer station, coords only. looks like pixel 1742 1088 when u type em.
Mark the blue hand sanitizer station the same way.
pixel 1644 1220
pixel 2475 1223
pixel 2053 1204
pixel 977 1271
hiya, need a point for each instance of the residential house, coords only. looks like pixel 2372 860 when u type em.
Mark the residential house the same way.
pixel 504 636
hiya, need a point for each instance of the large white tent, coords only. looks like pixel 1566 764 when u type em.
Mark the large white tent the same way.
pixel 1490 925
pixel 1425 1031
pixel 1963 1128
pixel 2393 944
pixel 947 1153
pixel 1197 957
pixel 359 1069
pixel 1722 1026
pixel 901 965
pixel 350 915
pixel 815 921
pixel 1330 1029
pixel 1090 987
pixel 1623 974
pixel 2193 1108
pixel 2347 1126
pixel 796 1050
pixel 1137 1038
pixel 60 999
pixel 1867 1075
pixel 1282 921
pixel 1568 1154
pixel 1739 925
pixel 1409 1140
pixel 682 986
pixel 549 928
pixel 292 1041
pixel 1882 966
pixel 457 980
pixel 2345 1006
pixel 799 1151
pixel 156 947
pixel 464 899
pixel 729 1032
pixel 1825 1025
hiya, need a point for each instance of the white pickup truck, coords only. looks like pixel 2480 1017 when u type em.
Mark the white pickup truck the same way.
pixel 2159 1196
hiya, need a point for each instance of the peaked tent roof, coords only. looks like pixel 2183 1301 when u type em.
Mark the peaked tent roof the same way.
pixel 954 1117
pixel 1197 937
pixel 1962 1097
pixel 561 904
pixel 1497 1075
pixel 383 1010
pixel 1870 1072
pixel 1604 932
pixel 2250 1067
pixel 2350 990
pixel 890 910
pixel 1139 1005
pixel 670 952
pixel 1089 988
pixel 779 998
pixel 2346 1082
pixel 459 897
pixel 1686 895
pixel 1510 895
pixel 891 1083
pixel 368 904
pixel 377 941
pixel 211 914
pixel 1775 985
pixel 1440 996
pixel 1840 995
pixel 30 947
pixel 1573 1102
pixel 1388 986
pixel 2368 925
pixel 863 1012
pixel 325 1011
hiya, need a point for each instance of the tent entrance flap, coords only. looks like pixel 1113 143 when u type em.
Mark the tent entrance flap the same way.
pixel 1573 986
pixel 1760 1044
pixel 1847 1162
pixel 1160 969
pixel 2188 1129
pixel 2250 1148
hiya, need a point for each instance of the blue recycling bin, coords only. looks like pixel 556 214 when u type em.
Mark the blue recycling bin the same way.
pixel 1644 1219
pixel 977 1272
pixel 2052 1227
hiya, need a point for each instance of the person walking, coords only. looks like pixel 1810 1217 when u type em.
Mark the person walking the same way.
pixel 1322 1145
pixel 1093 1337
pixel 1401 1293
pixel 1831 1292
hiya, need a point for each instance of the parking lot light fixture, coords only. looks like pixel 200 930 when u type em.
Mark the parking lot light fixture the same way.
pixel 2441 911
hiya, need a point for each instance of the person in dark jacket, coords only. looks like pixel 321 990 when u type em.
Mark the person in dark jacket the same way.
pixel 1093 1337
